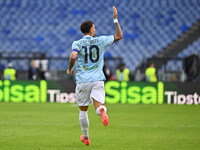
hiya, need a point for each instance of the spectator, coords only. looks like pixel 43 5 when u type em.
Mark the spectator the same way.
pixel 112 77
pixel 123 73
pixel 150 73
pixel 33 72
pixel 10 73
pixel 192 67
pixel 42 72
pixel 107 72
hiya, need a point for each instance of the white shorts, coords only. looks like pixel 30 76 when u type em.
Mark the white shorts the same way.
pixel 87 91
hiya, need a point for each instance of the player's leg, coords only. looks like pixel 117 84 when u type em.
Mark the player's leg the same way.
pixel 98 97
pixel 101 110
pixel 84 122
pixel 83 101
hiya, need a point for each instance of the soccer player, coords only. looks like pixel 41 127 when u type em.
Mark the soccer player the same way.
pixel 90 77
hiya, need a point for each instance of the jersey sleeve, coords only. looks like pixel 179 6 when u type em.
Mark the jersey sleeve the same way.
pixel 75 46
pixel 108 40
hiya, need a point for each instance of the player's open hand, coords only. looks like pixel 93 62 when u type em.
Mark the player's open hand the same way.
pixel 115 12
pixel 69 72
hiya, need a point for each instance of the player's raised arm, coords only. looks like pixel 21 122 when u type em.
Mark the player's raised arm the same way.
pixel 72 61
pixel 118 35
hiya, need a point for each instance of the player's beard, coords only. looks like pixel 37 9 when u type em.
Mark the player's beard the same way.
pixel 94 34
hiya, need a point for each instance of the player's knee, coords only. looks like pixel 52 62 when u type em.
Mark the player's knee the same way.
pixel 83 115
pixel 83 108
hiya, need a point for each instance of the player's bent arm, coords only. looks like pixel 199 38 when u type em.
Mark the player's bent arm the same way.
pixel 72 60
pixel 118 35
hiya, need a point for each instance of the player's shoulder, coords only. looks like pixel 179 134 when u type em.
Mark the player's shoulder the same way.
pixel 76 45
pixel 77 42
pixel 102 37
pixel 106 36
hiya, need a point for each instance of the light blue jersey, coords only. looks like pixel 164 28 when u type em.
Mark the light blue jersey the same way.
pixel 91 57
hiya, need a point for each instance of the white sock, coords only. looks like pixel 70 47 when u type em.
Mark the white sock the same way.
pixel 84 122
pixel 98 109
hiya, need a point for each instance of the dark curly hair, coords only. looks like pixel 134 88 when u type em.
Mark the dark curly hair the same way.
pixel 86 26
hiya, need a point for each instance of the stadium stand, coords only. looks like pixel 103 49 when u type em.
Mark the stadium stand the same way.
pixel 177 64
pixel 51 26
pixel 191 49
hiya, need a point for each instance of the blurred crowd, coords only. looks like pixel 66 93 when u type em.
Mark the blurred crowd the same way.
pixel 36 71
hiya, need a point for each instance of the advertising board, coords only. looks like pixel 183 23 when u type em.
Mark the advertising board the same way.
pixel 116 92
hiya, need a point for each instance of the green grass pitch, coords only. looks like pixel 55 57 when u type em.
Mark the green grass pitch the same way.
pixel 52 126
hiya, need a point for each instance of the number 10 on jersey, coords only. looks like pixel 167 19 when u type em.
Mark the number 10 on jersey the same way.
pixel 93 51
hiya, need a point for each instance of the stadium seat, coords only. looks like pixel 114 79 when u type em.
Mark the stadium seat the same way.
pixel 51 26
